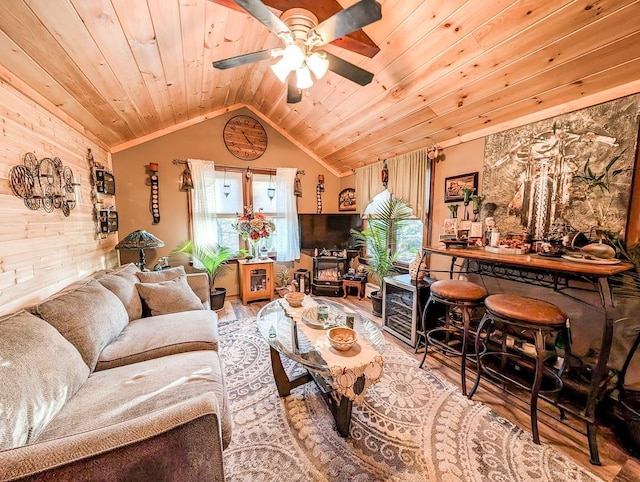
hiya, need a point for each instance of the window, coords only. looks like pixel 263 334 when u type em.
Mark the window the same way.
pixel 241 193
pixel 408 231
pixel 409 240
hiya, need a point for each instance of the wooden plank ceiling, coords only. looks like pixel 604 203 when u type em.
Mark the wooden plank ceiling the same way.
pixel 125 69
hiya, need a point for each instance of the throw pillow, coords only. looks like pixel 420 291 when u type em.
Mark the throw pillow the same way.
pixel 122 283
pixel 169 296
pixel 89 316
pixel 161 275
pixel 40 370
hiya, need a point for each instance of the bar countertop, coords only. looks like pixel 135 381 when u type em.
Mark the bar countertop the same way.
pixel 533 260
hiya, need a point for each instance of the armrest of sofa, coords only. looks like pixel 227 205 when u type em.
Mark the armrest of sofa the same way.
pixel 182 442
pixel 199 283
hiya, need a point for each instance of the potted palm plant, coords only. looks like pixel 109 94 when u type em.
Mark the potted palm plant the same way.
pixel 213 259
pixel 378 239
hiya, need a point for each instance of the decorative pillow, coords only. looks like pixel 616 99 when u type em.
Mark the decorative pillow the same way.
pixel 40 370
pixel 89 316
pixel 161 275
pixel 169 296
pixel 122 283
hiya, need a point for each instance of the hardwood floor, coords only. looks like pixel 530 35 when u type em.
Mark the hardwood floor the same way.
pixel 617 463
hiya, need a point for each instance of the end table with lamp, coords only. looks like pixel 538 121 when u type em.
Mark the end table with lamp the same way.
pixel 140 240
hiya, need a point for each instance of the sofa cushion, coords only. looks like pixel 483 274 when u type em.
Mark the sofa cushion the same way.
pixel 122 283
pixel 40 370
pixel 88 315
pixel 162 335
pixel 125 393
pixel 160 275
pixel 169 296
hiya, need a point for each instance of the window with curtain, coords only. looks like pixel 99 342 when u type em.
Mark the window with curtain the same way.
pixel 214 213
pixel 410 179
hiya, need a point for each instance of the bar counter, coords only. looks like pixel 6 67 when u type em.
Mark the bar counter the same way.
pixel 556 274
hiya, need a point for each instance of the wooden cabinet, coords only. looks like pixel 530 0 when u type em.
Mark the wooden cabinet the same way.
pixel 256 279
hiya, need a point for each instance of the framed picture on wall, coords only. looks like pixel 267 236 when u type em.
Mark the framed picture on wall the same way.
pixel 453 186
pixel 347 200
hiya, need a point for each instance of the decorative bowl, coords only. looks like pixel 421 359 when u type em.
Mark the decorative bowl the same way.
pixel 342 338
pixel 294 299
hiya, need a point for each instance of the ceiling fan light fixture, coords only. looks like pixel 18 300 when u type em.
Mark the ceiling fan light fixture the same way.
pixel 303 78
pixel 318 65
pixel 293 56
pixel 281 69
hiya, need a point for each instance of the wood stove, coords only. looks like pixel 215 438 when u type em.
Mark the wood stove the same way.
pixel 327 275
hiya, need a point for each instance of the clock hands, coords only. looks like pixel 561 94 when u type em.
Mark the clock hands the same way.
pixel 253 148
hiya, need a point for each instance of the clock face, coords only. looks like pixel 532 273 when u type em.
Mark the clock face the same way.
pixel 245 137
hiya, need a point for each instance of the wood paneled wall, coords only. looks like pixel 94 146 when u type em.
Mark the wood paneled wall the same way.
pixel 41 253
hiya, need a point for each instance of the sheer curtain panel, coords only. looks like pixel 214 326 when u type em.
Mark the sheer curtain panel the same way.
pixel 203 200
pixel 288 238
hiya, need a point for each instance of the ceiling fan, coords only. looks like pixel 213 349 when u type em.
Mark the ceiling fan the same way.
pixel 302 37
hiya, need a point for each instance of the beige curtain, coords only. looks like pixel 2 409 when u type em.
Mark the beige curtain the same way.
pixel 408 179
pixel 368 184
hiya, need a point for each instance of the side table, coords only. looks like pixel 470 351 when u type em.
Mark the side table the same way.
pixel 354 282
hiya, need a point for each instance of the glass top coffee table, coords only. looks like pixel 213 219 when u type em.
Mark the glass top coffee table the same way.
pixel 293 333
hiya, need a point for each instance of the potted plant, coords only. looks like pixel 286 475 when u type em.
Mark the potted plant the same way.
pixel 283 279
pixel 378 238
pixel 213 259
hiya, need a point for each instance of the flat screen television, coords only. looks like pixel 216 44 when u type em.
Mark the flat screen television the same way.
pixel 328 231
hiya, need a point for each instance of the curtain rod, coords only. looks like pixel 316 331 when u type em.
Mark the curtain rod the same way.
pixel 268 169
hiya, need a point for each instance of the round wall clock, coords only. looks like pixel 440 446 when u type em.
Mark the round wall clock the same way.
pixel 245 137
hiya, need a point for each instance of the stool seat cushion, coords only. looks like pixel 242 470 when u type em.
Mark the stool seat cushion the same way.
pixel 458 290
pixel 522 308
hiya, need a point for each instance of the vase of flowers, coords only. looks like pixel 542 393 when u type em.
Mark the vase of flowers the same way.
pixel 254 227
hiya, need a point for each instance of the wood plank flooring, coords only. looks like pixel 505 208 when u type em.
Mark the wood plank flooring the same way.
pixel 618 465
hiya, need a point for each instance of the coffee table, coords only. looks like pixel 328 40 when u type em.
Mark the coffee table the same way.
pixel 305 346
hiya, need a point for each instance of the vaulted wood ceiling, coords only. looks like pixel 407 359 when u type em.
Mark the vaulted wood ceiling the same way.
pixel 446 69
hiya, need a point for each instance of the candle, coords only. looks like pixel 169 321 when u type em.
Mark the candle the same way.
pixel 153 166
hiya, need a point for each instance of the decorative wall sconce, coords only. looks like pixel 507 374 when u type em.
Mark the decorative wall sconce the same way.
pixel 155 192
pixel 226 187
pixel 186 180
pixel 44 184
pixel 271 190
pixel 321 182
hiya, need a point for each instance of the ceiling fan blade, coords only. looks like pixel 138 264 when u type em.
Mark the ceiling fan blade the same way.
pixel 348 70
pixel 346 21
pixel 266 17
pixel 242 59
pixel 294 95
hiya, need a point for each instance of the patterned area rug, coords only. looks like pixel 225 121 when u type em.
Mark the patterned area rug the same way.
pixel 412 427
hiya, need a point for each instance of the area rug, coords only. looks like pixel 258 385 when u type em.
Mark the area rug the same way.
pixel 412 427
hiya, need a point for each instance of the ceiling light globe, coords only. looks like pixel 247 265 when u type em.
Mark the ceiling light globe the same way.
pixel 318 65
pixel 303 80
pixel 281 69
pixel 294 56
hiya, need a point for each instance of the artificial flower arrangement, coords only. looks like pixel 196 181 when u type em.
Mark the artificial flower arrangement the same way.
pixel 254 225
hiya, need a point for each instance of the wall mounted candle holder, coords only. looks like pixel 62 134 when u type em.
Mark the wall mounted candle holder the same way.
pixel 44 184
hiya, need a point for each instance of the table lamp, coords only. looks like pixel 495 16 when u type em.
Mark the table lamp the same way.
pixel 141 240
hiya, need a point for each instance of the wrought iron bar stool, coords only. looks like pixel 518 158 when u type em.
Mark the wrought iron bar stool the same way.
pixel 453 337
pixel 511 320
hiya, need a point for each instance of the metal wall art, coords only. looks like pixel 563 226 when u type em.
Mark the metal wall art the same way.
pixel 44 184
pixel 575 168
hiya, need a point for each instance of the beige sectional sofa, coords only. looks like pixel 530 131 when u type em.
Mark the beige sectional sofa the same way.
pixel 91 389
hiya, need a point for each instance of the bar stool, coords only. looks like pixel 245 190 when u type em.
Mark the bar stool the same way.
pixel 465 296
pixel 513 318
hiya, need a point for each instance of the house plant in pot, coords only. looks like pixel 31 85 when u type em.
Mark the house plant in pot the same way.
pixel 213 259
pixel 378 239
